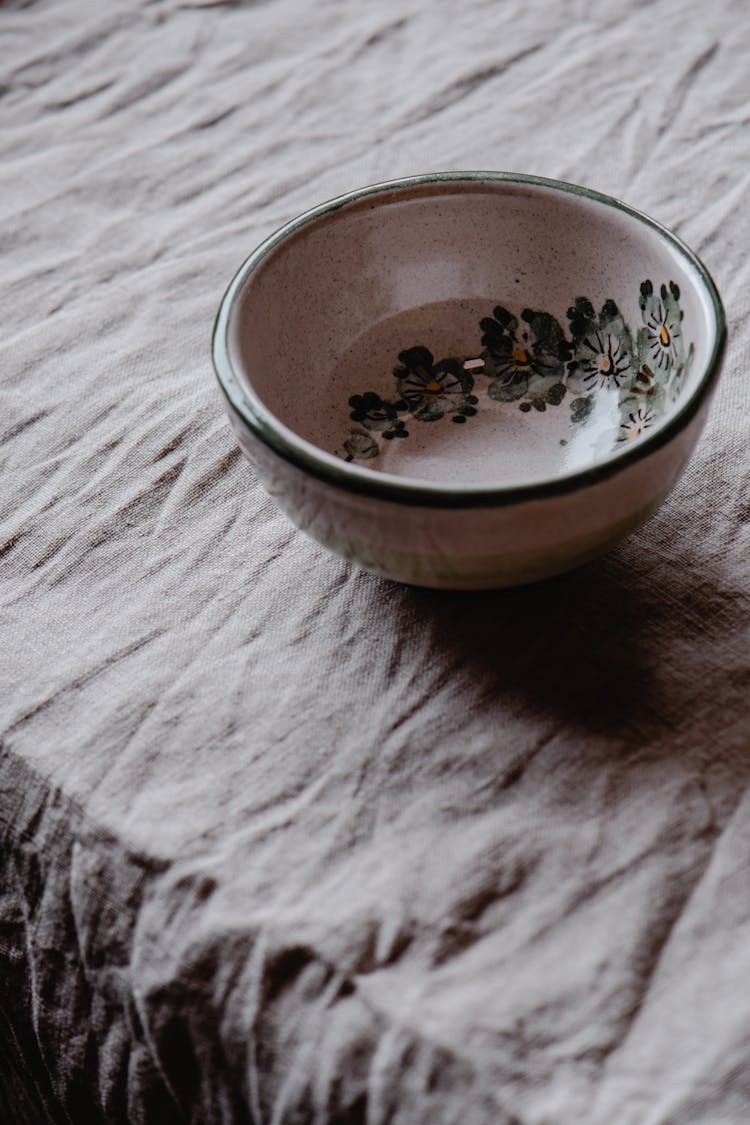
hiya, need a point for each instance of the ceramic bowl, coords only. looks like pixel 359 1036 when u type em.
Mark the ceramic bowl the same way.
pixel 469 379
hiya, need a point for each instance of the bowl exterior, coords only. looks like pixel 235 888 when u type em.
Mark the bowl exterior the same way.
pixel 473 547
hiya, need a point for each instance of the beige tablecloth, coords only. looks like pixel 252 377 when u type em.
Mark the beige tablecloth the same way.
pixel 282 842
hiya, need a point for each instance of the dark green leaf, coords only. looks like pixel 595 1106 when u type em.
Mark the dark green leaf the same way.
pixel 556 394
pixel 508 390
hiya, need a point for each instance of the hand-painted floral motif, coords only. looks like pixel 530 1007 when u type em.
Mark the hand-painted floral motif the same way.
pixel 660 338
pixel 531 361
pixel 516 351
pixel 636 423
pixel 432 390
pixel 602 346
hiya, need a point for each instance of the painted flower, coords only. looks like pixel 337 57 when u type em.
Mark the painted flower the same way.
pixel 636 423
pixel 660 338
pixel 516 351
pixel 602 346
pixel 378 415
pixel 604 360
pixel 432 390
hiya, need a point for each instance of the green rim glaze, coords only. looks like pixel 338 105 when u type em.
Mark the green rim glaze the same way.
pixel 367 482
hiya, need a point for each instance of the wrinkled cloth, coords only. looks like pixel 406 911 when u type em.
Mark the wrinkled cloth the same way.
pixel 282 842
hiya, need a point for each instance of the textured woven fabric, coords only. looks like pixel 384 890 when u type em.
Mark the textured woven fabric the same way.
pixel 283 842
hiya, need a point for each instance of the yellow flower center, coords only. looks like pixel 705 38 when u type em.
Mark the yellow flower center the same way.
pixel 604 365
pixel 520 357
pixel 433 387
pixel 664 336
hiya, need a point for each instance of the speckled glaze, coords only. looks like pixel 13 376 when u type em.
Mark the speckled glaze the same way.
pixel 576 341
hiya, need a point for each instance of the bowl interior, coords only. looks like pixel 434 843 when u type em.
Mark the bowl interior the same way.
pixel 473 331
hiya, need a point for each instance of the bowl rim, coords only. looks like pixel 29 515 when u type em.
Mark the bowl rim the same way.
pixel 305 455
